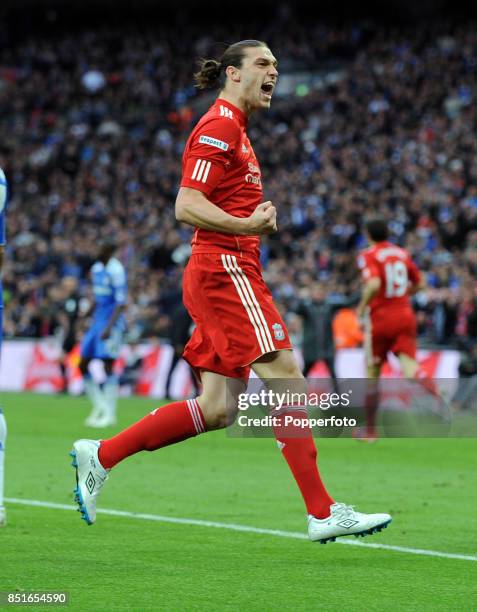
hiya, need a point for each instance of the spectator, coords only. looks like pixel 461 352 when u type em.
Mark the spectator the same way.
pixel 92 128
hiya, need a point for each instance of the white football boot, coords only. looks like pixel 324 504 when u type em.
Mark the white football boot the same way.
pixel 90 477
pixel 345 520
pixel 101 422
pixel 3 516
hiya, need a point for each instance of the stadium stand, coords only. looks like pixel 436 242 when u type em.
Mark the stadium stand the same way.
pixel 93 125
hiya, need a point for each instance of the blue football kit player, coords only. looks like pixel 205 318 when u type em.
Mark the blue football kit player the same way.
pixel 104 338
pixel 3 424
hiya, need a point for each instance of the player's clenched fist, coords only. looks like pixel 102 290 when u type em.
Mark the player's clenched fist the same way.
pixel 263 220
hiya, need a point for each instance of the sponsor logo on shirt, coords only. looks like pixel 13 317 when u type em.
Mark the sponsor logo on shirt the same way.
pixel 254 174
pixel 251 178
pixel 214 142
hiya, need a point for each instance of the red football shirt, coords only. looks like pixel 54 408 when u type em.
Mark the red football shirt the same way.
pixel 394 266
pixel 219 161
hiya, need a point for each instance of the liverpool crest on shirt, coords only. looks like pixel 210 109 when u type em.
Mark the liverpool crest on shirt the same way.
pixel 278 331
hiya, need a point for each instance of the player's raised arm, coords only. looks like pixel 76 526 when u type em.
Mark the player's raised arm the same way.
pixel 193 208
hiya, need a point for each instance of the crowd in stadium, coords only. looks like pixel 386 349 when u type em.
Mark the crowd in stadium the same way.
pixel 93 127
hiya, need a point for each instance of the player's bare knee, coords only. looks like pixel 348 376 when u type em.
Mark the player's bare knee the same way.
pixel 278 365
pixel 217 414
pixel 218 417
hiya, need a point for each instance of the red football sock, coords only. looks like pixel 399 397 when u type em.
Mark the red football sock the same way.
pixel 298 448
pixel 166 425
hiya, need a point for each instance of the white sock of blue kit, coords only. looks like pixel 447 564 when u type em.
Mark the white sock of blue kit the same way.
pixel 3 439
pixel 93 391
pixel 110 394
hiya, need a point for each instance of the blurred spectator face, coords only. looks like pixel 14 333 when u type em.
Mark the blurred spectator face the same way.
pixel 318 293
pixel 69 284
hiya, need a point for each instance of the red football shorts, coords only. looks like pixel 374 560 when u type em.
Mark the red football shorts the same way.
pixel 233 310
pixel 394 331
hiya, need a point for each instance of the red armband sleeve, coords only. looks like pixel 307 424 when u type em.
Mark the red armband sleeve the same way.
pixel 209 154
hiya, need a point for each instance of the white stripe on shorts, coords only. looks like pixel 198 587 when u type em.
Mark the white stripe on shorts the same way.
pixel 250 303
pixel 254 301
pixel 251 315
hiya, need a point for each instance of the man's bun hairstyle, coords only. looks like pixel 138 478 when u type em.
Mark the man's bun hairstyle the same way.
pixel 208 76
pixel 211 73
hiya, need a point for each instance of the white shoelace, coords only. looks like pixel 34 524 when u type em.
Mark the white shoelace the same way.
pixel 342 511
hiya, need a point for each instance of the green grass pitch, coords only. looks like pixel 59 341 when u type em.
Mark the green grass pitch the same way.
pixel 120 563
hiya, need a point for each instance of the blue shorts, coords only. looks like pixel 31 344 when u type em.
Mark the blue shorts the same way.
pixel 93 347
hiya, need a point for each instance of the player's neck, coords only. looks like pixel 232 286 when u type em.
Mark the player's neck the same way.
pixel 236 101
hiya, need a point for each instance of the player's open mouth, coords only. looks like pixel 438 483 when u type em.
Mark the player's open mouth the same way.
pixel 267 89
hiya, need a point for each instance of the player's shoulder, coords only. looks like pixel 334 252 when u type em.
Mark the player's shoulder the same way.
pixel 114 266
pixel 98 266
pixel 389 249
pixel 367 251
pixel 220 118
pixel 364 256
pixel 3 192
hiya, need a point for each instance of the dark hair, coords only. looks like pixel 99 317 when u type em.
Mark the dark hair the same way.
pixel 107 247
pixel 211 73
pixel 377 229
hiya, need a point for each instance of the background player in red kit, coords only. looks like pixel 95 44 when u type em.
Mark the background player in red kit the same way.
pixel 389 276
pixel 238 327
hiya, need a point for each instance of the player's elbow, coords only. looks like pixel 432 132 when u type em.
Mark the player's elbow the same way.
pixel 180 210
pixel 185 198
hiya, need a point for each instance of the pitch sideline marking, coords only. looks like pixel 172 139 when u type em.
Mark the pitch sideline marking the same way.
pixel 244 528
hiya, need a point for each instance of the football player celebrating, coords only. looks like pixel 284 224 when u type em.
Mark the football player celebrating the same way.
pixel 238 327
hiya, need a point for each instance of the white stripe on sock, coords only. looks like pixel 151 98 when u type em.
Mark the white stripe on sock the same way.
pixel 195 419
pixel 196 408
